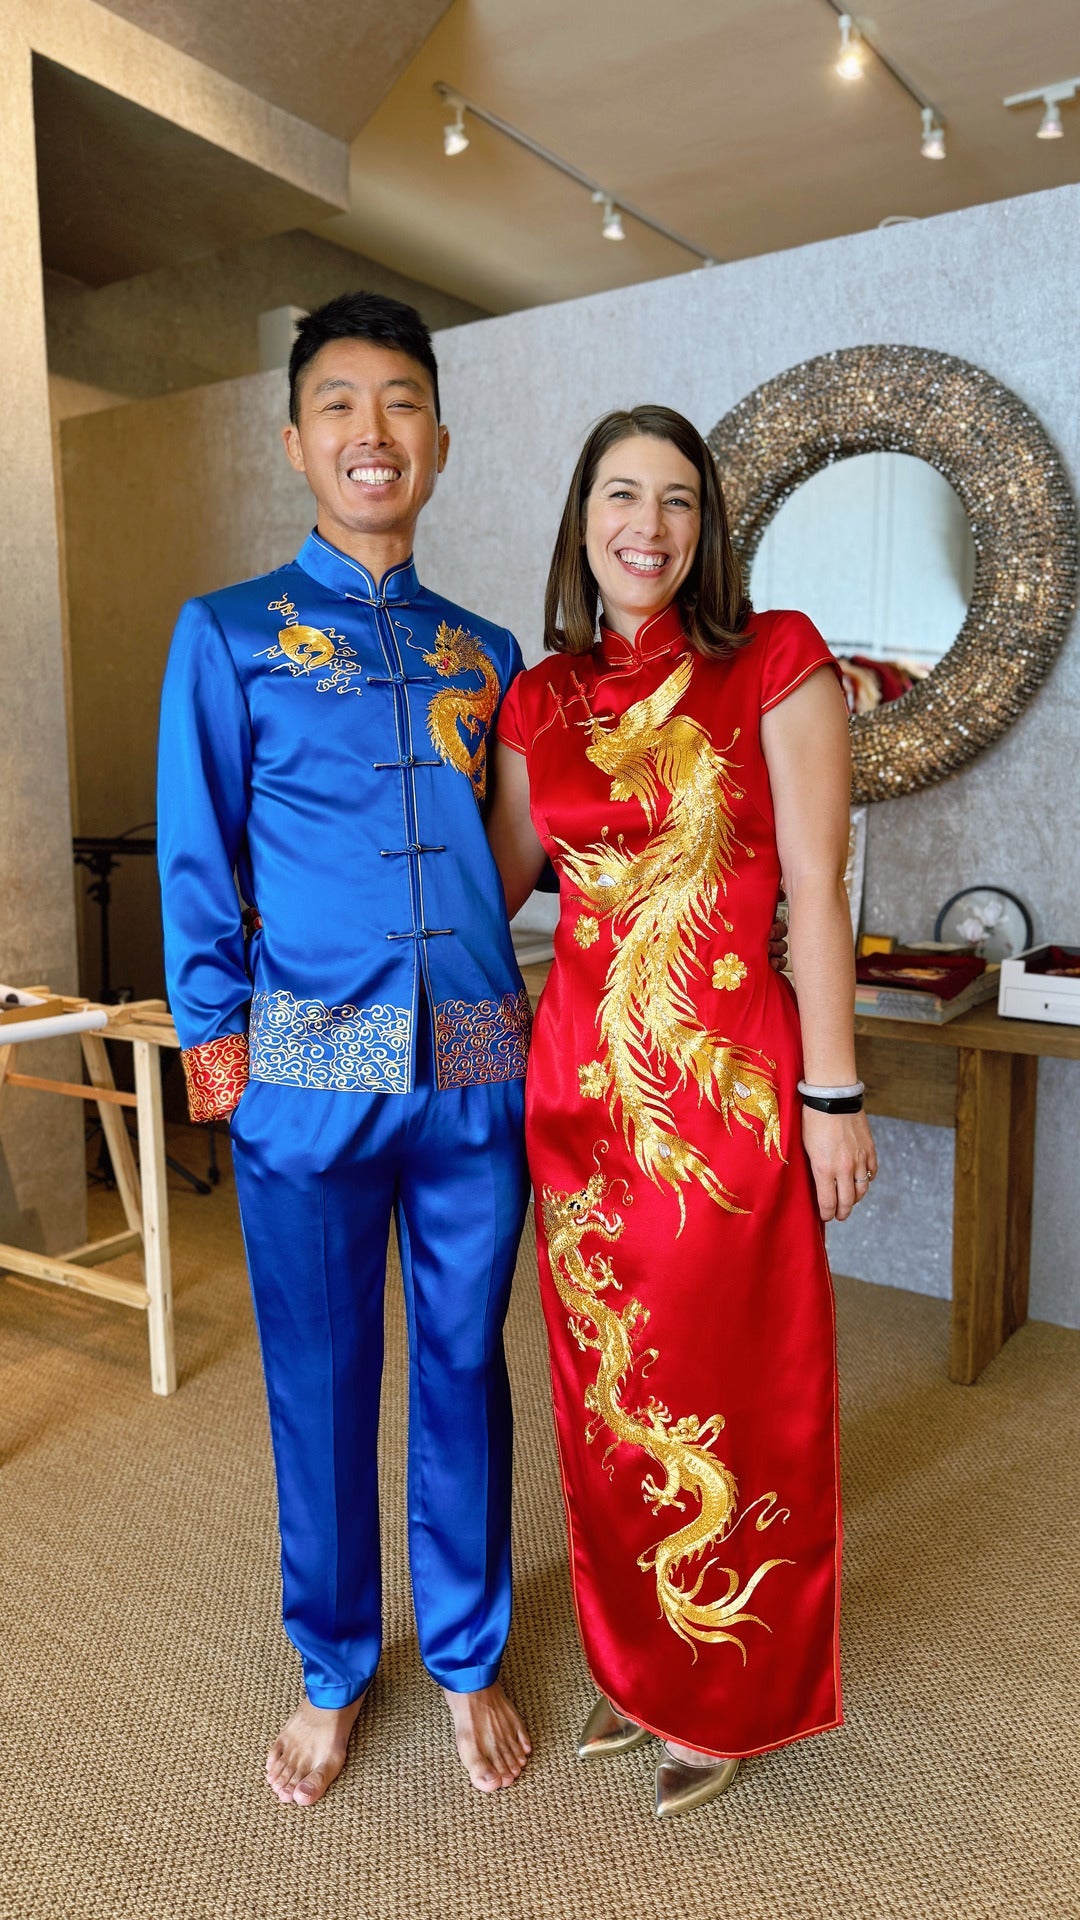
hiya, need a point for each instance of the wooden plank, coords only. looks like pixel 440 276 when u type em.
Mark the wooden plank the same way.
pixel 980 1212
pixel 42 1266
pixel 71 1090
pixel 155 1208
pixel 125 1172
pixel 907 1083
pixel 95 1252
pixel 5 1056
pixel 982 1027
pixel 160 1033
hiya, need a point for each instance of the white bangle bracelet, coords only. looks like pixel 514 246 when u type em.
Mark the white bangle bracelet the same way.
pixel 831 1093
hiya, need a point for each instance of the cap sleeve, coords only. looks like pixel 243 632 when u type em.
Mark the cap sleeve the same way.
pixel 510 726
pixel 794 649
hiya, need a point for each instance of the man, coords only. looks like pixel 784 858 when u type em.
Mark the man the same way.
pixel 324 739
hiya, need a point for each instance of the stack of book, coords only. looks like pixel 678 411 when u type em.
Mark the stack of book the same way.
pixel 915 984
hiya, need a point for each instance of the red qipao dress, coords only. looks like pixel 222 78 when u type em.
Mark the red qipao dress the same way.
pixel 682 1263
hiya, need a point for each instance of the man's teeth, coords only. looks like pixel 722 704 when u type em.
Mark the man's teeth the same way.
pixel 374 476
pixel 643 562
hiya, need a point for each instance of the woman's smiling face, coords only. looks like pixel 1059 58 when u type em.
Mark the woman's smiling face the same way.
pixel 642 525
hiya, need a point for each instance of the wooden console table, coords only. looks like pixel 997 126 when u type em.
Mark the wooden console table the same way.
pixel 978 1075
pixel 148 1026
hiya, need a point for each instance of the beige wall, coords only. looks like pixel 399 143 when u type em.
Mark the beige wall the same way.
pixel 41 1151
pixel 185 325
pixel 41 1187
pixel 199 494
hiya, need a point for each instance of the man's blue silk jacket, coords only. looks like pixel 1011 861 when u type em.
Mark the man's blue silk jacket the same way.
pixel 324 739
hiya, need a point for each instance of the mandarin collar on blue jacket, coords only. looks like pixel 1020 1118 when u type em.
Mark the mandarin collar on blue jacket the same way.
pixel 336 570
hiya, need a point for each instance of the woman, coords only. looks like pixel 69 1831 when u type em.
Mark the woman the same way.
pixel 672 770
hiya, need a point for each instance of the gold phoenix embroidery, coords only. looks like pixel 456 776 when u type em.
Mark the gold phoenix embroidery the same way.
pixel 682 1448
pixel 456 710
pixel 658 901
pixel 587 930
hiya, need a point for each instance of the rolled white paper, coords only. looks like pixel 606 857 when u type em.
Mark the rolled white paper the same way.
pixel 53 1028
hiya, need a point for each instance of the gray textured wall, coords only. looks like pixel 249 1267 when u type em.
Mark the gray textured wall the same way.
pixel 990 284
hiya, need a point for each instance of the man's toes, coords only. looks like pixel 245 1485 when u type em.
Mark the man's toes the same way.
pixel 310 1787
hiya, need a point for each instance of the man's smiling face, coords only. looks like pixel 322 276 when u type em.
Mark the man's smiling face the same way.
pixel 367 441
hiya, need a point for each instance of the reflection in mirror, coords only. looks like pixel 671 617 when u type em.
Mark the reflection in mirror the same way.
pixel 878 551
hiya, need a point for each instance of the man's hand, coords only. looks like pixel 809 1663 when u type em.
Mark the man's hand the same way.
pixel 778 938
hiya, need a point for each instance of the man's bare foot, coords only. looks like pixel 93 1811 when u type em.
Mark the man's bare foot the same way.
pixel 491 1739
pixel 310 1752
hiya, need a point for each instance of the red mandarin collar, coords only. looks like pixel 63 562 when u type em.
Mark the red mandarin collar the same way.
pixel 662 633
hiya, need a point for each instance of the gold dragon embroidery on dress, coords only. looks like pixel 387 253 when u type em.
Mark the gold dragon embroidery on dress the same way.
pixel 456 711
pixel 658 901
pixel 682 1448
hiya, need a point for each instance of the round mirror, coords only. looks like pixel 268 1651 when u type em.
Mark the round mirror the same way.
pixel 878 551
pixel 820 418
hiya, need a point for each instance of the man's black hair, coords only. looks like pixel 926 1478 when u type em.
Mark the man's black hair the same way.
pixel 362 316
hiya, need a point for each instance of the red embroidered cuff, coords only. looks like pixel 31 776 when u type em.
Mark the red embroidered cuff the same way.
pixel 216 1075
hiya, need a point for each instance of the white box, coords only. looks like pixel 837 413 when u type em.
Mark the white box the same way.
pixel 1026 994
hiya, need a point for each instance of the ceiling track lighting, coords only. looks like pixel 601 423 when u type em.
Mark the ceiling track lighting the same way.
pixel 455 140
pixel 454 137
pixel 612 227
pixel 932 146
pixel 850 59
pixel 857 43
pixel 1049 127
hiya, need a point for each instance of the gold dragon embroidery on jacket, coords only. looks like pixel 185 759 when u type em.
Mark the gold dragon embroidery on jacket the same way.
pixel 458 718
pixel 682 1448
pixel 659 900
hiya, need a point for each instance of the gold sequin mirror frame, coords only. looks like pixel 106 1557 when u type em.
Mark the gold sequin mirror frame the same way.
pixel 999 460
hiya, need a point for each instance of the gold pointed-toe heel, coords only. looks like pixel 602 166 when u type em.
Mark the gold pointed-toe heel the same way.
pixel 606 1731
pixel 682 1785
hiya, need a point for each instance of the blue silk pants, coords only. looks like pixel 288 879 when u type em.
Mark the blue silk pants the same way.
pixel 318 1176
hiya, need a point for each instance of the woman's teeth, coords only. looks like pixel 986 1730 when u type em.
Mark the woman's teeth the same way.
pixel 642 562
pixel 374 476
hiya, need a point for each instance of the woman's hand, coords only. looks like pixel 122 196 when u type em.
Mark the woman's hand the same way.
pixel 843 1159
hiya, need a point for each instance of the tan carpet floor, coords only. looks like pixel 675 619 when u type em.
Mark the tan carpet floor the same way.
pixel 144 1672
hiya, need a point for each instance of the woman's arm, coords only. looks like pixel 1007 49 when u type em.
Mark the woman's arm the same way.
pixel 518 852
pixel 807 751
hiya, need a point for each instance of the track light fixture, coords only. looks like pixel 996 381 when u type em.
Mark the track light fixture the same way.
pixel 850 59
pixel 933 136
pixel 612 227
pixel 858 43
pixel 454 138
pixel 1049 127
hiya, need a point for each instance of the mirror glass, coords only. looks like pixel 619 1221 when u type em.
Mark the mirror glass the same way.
pixel 878 551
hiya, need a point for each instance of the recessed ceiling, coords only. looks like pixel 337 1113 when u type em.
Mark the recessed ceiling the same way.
pixel 723 118
pixel 121 191
pixel 330 64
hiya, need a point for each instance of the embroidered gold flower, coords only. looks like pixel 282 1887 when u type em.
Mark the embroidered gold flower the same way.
pixel 587 931
pixel 729 973
pixel 592 1080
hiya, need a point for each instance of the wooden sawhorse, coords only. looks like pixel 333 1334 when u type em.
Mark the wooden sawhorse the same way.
pixel 148 1026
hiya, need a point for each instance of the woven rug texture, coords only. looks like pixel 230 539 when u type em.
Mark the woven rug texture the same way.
pixel 144 1671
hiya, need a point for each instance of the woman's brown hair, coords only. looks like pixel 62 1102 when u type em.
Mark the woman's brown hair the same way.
pixel 712 599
